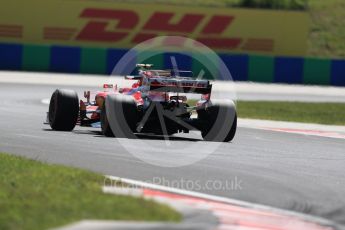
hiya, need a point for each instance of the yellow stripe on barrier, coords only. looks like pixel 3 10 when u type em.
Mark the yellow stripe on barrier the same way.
pixel 120 25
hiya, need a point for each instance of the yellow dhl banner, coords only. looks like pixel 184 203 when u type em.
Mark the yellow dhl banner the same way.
pixel 109 24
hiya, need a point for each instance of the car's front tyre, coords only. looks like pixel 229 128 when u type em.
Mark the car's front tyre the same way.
pixel 63 110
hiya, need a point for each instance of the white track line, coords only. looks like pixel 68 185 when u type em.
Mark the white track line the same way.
pixel 142 184
pixel 309 129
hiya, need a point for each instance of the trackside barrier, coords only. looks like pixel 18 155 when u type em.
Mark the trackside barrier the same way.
pixel 257 68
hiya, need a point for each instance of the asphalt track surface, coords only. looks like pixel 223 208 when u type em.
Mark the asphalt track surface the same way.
pixel 288 171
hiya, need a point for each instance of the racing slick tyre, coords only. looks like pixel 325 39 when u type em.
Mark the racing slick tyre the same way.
pixel 105 126
pixel 122 115
pixel 220 121
pixel 63 110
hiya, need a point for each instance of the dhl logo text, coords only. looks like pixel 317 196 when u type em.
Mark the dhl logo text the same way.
pixel 116 25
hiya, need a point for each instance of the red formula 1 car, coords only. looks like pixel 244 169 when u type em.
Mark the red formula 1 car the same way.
pixel 156 103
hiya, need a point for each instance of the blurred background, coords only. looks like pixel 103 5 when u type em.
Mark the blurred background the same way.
pixel 286 41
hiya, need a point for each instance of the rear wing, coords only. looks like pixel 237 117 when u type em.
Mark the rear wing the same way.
pixel 180 85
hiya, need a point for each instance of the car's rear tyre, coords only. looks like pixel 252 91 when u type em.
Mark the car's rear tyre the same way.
pixel 105 126
pixel 63 110
pixel 220 121
pixel 122 115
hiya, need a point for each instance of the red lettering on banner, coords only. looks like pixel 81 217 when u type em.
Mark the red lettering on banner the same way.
pixel 11 31
pixel 258 45
pixel 141 37
pixel 174 41
pixel 96 30
pixel 159 23
pixel 217 24
pixel 58 33
pixel 221 43
pixel 127 19
pixel 162 22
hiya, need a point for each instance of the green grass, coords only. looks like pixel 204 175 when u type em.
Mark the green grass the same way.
pixel 321 113
pixel 327 30
pixel 35 195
